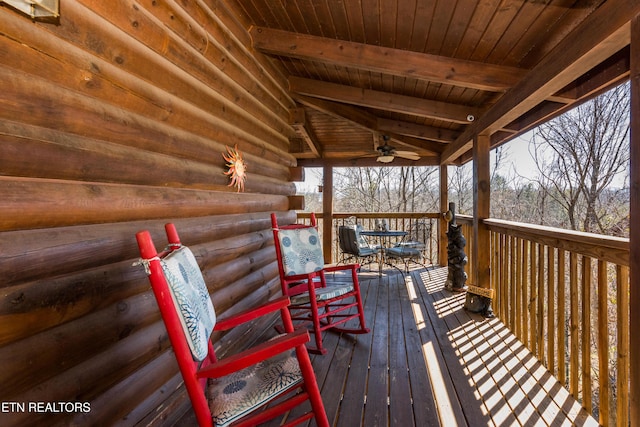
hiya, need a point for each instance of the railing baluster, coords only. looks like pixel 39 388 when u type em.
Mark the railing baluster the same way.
pixel 551 314
pixel 512 282
pixel 586 334
pixel 603 344
pixel 574 316
pixel 533 326
pixel 622 386
pixel 503 278
pixel 518 288
pixel 495 269
pixel 540 296
pixel 562 319
pixel 525 293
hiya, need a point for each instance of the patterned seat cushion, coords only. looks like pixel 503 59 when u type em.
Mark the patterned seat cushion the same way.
pixel 403 252
pixel 191 298
pixel 235 395
pixel 322 294
pixel 301 251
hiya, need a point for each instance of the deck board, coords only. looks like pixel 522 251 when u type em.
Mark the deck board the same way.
pixel 429 362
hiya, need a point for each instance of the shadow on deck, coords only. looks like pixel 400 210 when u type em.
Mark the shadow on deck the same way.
pixel 429 362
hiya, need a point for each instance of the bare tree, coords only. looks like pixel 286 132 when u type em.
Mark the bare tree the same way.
pixel 461 188
pixel 386 189
pixel 580 154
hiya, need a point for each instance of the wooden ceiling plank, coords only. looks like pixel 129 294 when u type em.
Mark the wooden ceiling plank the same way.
pixel 433 68
pixel 383 100
pixel 598 37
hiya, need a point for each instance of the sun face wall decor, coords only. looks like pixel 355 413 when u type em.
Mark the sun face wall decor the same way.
pixel 237 168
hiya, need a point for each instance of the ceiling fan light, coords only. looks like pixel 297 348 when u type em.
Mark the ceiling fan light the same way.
pixel 385 159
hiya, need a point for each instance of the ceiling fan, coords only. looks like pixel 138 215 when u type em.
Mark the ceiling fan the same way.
pixel 387 153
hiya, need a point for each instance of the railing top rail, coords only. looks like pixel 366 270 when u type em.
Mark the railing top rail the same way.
pixel 609 248
pixel 340 215
pixel 575 236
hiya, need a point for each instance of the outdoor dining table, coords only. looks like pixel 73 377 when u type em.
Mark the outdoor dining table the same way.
pixel 384 238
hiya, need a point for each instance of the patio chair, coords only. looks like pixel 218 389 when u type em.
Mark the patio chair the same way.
pixel 412 247
pixel 356 246
pixel 303 279
pixel 239 389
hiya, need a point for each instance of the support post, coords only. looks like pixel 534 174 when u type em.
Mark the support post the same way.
pixel 481 206
pixel 481 248
pixel 442 224
pixel 327 214
pixel 634 232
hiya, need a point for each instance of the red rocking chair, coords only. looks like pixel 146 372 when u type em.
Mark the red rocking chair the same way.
pixel 303 279
pixel 238 390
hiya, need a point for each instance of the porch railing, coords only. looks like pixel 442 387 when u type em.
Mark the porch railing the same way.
pixel 565 295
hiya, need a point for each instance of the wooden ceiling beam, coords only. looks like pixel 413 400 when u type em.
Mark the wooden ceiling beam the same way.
pixel 597 38
pixel 417 144
pixel 298 120
pixel 383 100
pixel 362 119
pixel 397 62
pixel 416 130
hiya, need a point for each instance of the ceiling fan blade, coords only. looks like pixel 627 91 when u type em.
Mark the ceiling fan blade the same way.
pixel 407 155
pixel 385 158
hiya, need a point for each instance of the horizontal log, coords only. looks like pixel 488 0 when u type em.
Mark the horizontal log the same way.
pixel 253 332
pixel 296 202
pixel 92 376
pixel 219 273
pixel 192 76
pixel 123 397
pixel 220 68
pixel 60 86
pixel 234 293
pixel 85 73
pixel 27 254
pixel 44 355
pixel 234 30
pixel 68 203
pixel 33 307
pixel 56 108
pixel 224 31
pixel 52 154
pixel 164 407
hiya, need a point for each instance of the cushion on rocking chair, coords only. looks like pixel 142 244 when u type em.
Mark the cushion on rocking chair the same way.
pixel 322 294
pixel 191 298
pixel 301 251
pixel 235 395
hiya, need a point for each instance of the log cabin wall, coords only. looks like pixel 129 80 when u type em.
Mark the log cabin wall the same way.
pixel 114 121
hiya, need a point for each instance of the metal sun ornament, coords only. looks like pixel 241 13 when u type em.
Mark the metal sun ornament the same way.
pixel 237 168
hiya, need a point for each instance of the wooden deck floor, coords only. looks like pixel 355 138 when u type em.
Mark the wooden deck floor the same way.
pixel 429 362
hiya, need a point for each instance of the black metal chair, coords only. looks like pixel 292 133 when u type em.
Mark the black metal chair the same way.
pixel 356 246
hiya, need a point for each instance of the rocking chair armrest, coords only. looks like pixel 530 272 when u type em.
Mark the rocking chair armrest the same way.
pixel 255 354
pixel 252 313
